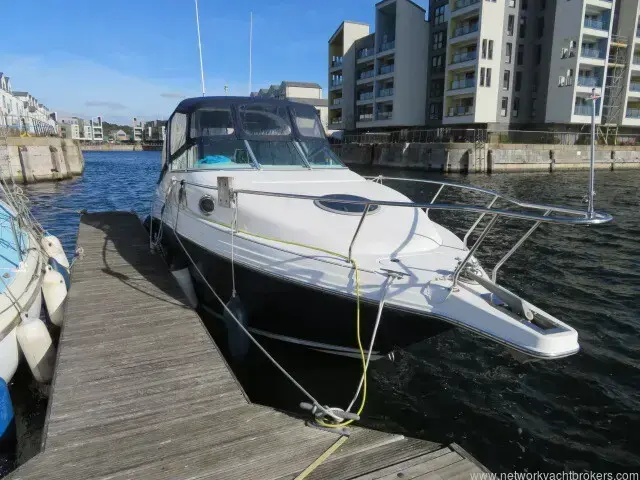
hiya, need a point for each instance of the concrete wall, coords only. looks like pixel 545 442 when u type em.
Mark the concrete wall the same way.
pixel 461 157
pixel 40 159
pixel 410 59
pixel 111 147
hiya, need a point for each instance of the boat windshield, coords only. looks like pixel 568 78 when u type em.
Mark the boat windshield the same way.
pixel 319 154
pixel 269 139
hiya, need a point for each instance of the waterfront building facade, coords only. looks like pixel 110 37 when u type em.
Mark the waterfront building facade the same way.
pixel 497 64
pixel 377 79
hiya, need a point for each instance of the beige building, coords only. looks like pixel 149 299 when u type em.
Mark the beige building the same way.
pixel 379 79
pixel 303 92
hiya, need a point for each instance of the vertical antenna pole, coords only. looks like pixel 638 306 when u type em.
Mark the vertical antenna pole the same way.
pixel 592 164
pixel 200 48
pixel 250 48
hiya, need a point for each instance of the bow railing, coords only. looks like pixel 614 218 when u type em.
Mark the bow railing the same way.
pixel 537 214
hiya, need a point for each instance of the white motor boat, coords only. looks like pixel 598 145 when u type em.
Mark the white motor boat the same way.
pixel 251 198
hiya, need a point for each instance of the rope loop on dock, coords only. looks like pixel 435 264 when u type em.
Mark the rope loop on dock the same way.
pixel 327 417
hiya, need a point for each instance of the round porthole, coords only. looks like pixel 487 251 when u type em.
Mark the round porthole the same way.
pixel 207 205
pixel 332 203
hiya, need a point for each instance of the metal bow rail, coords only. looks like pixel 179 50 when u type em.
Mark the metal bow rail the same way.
pixel 539 214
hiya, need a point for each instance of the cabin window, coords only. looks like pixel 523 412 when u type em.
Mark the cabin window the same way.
pixel 319 154
pixel 219 153
pixel 308 123
pixel 265 119
pixel 211 123
pixel 276 154
pixel 178 131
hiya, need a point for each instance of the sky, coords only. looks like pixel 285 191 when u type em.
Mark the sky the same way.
pixel 138 58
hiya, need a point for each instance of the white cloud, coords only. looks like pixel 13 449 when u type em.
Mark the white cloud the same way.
pixel 67 83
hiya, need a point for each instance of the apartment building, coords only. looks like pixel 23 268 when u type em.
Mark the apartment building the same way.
pixel 155 131
pixel 438 26
pixel 302 92
pixel 137 129
pixel 378 79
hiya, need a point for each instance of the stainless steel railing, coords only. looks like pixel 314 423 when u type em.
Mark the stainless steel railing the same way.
pixel 541 213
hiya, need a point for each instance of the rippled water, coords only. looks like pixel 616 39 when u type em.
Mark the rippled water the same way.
pixel 579 413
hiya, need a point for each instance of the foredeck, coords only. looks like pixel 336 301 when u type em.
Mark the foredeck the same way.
pixel 141 390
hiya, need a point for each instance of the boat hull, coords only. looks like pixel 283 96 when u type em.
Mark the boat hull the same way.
pixel 280 309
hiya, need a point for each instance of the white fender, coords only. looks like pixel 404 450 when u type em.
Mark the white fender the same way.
pixel 183 277
pixel 54 291
pixel 53 248
pixel 37 347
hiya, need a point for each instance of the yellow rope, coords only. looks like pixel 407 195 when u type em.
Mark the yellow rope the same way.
pixel 307 471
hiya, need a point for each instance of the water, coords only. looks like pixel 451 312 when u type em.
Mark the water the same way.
pixel 579 413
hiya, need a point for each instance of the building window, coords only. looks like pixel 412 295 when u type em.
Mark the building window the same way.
pixel 520 54
pixel 488 79
pixel 517 84
pixel 511 3
pixel 515 107
pixel 538 54
pixel 523 27
pixel 510 22
pixel 504 106
pixel 484 48
pixel 524 4
pixel 543 4
pixel 540 27
pixel 439 15
pixel 506 79
pixel 437 63
pixel 482 73
pixel 437 87
pixel 435 111
pixel 507 54
pixel 534 83
pixel 438 40
pixel 490 55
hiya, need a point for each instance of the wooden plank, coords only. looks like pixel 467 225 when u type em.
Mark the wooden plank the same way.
pixel 141 391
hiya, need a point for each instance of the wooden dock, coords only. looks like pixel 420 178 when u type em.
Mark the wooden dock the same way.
pixel 142 392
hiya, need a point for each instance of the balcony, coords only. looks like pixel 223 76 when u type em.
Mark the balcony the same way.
pixel 385 92
pixel 335 121
pixel 636 60
pixel 460 111
pixel 637 32
pixel 336 102
pixel 335 84
pixel 365 52
pixel 365 96
pixel 387 46
pixel 457 5
pixel 589 81
pixel 633 113
pixel 460 84
pixel 592 53
pixel 595 24
pixel 634 87
pixel 465 30
pixel 386 69
pixel 337 62
pixel 584 110
pixel 385 115
pixel 366 74
pixel 464 57
pixel 365 117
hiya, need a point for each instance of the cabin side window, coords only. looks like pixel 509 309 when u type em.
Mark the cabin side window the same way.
pixel 178 137
pixel 216 145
